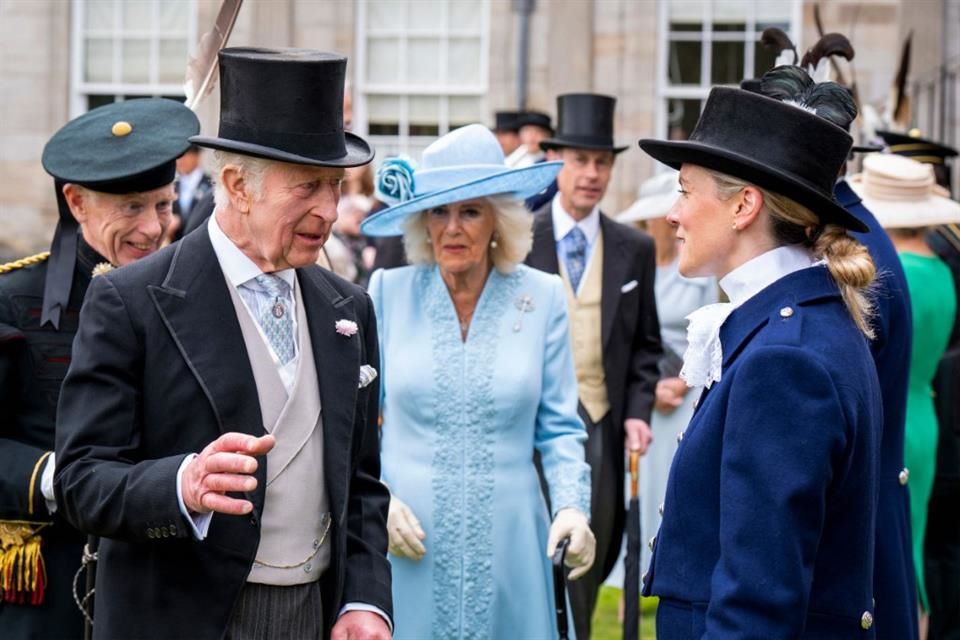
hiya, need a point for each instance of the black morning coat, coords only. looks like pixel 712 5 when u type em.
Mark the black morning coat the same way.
pixel 159 371
pixel 630 331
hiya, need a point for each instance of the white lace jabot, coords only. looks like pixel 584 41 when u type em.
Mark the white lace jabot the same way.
pixel 703 359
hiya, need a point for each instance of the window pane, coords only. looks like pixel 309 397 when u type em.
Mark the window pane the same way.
pixel 135 61
pixel 173 60
pixel 98 60
pixel 773 12
pixel 383 60
pixel 464 15
pixel 385 14
pixel 682 116
pixel 463 61
pixel 465 110
pixel 94 101
pixel 685 62
pixel 424 113
pixel 173 16
pixel 687 11
pixel 730 26
pixel 423 60
pixel 425 14
pixel 98 15
pixel 734 11
pixel 383 115
pixel 137 14
pixel 727 65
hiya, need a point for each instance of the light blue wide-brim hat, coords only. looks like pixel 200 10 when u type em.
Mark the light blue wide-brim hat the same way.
pixel 466 163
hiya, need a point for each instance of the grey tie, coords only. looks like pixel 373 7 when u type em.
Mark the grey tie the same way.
pixel 274 315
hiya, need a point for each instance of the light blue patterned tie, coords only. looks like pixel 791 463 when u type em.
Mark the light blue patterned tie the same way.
pixel 575 255
pixel 274 315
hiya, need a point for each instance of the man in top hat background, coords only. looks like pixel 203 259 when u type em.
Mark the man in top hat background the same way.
pixel 506 128
pixel 113 170
pixel 608 271
pixel 218 425
pixel 533 127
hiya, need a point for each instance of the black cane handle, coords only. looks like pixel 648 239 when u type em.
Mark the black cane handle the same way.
pixel 560 587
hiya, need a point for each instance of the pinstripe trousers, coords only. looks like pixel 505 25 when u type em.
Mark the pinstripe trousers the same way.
pixel 266 612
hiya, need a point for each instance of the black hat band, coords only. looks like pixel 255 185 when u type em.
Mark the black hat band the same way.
pixel 322 146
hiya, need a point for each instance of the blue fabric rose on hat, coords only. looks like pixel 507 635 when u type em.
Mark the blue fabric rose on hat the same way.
pixel 395 180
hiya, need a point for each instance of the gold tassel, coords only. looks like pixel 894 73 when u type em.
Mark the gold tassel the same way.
pixel 23 574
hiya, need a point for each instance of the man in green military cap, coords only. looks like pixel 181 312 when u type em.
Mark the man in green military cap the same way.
pixel 113 171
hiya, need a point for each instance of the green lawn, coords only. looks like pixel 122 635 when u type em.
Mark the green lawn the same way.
pixel 605 623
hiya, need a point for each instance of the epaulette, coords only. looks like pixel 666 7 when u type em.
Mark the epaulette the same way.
pixel 24 262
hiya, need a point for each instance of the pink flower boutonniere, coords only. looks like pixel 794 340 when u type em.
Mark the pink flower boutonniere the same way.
pixel 346 328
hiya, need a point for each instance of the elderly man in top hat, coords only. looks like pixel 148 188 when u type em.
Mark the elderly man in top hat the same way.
pixel 113 171
pixel 608 271
pixel 218 425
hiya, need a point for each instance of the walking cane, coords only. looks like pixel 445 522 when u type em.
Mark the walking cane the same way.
pixel 560 588
pixel 631 583
pixel 88 562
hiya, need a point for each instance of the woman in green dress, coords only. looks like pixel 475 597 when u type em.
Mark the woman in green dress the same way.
pixel 903 195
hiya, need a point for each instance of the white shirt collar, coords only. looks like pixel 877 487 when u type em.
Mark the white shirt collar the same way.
pixel 563 222
pixel 237 267
pixel 758 273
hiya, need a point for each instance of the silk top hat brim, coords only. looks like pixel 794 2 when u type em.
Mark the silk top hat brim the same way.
pixel 285 105
pixel 488 180
pixel 774 145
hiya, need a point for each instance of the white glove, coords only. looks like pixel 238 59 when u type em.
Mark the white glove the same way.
pixel 404 530
pixel 571 523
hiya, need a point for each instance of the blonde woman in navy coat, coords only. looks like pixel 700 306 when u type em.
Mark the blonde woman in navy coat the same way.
pixel 768 522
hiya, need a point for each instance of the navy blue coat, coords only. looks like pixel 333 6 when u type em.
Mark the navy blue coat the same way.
pixel 894 581
pixel 768 524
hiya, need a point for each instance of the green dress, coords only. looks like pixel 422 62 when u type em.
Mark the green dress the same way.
pixel 933 301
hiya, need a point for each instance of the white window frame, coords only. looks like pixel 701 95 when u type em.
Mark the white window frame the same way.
pixel 80 88
pixel 666 91
pixel 362 88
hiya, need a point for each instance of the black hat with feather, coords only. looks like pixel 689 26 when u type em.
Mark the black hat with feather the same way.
pixel 794 146
pixel 820 64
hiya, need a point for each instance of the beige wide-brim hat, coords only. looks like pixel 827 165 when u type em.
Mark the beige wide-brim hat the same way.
pixel 903 193
pixel 656 197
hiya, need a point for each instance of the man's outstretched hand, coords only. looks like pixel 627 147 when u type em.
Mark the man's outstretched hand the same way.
pixel 226 464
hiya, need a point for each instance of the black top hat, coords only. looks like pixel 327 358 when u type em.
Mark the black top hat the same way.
pixel 535 119
pixel 775 145
pixel 286 105
pixel 507 121
pixel 584 121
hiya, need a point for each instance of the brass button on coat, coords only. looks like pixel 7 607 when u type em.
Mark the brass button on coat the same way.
pixel 866 620
pixel 904 476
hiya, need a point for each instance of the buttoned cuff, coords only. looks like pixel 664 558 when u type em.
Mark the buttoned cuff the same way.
pixel 360 606
pixel 199 522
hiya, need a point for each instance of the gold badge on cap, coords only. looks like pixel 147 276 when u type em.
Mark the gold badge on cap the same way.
pixel 121 129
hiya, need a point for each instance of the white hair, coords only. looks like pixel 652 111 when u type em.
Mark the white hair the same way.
pixel 252 169
pixel 513 233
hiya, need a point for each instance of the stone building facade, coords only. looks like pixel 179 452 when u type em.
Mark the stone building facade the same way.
pixel 420 67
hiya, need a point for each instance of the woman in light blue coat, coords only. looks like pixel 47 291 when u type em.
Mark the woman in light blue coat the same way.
pixel 477 373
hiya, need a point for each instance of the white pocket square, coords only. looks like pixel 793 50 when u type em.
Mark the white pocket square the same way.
pixel 367 375
pixel 630 286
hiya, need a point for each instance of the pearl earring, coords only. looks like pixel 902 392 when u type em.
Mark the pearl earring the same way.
pixel 427 239
pixel 493 243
